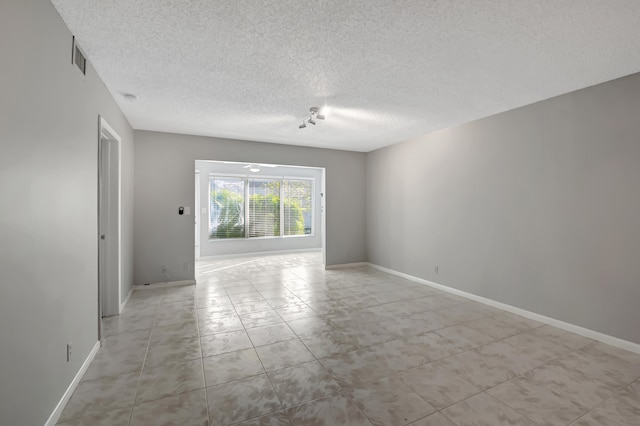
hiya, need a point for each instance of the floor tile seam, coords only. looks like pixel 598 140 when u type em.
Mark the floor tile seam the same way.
pixel 263 325
pixel 204 378
pixel 362 411
pixel 75 419
pixel 260 359
pixel 156 399
pixel 564 354
pixel 304 344
pixel 316 360
pixel 135 395
pixel 329 395
pixel 233 351
pixel 515 376
pixel 567 396
pixel 265 371
pixel 507 405
pixel 589 411
pixel 141 368
pixel 235 380
pixel 522 414
pixel 396 376
pixel 445 406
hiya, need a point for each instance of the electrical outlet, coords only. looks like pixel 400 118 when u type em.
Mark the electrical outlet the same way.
pixel 437 267
pixel 164 269
pixel 68 351
pixel 185 266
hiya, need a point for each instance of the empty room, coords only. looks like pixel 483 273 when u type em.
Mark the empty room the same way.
pixel 320 213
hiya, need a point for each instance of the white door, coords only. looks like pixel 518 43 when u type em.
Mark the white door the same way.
pixel 109 219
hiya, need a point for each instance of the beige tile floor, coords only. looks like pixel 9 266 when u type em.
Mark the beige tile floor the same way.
pixel 280 341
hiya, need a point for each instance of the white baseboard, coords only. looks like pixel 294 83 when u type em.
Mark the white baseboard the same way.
pixel 257 253
pixel 595 335
pixel 57 412
pixel 155 286
pixel 347 265
pixel 124 303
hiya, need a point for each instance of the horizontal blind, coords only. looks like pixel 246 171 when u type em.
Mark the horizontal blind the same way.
pixel 264 208
pixel 226 207
pixel 297 207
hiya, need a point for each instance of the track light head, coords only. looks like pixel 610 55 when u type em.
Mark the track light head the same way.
pixel 314 114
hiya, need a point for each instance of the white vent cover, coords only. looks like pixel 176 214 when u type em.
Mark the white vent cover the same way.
pixel 78 58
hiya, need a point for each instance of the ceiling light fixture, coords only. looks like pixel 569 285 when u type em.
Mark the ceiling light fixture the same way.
pixel 130 97
pixel 253 168
pixel 314 113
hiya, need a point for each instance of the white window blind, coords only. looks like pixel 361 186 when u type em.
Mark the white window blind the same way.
pixel 242 207
pixel 226 207
pixel 297 211
pixel 264 208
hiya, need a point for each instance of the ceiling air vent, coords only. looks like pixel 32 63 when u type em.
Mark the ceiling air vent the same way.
pixel 78 58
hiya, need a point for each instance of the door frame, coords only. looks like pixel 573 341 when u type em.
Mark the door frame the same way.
pixel 109 249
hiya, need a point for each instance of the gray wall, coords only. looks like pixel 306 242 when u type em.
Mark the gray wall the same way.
pixel 48 220
pixel 538 207
pixel 164 180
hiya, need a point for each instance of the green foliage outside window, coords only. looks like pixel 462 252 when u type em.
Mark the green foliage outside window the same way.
pixel 230 209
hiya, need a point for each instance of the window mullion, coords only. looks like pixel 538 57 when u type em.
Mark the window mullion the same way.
pixel 281 207
pixel 246 208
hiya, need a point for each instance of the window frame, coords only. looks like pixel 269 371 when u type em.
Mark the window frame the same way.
pixel 313 206
pixel 246 179
pixel 245 218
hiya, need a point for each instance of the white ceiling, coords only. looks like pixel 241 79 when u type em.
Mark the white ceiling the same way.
pixel 389 70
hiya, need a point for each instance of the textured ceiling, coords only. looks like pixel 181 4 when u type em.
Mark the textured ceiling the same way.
pixel 389 70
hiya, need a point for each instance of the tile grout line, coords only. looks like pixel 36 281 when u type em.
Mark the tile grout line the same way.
pixel 146 353
pixel 204 379
pixel 259 359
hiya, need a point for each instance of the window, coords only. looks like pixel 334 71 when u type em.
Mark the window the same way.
pixel 264 208
pixel 226 207
pixel 297 206
pixel 259 207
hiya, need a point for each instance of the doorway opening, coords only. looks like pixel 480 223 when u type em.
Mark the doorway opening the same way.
pixel 109 223
pixel 255 208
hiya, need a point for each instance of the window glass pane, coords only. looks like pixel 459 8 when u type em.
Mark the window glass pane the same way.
pixel 226 207
pixel 264 207
pixel 297 207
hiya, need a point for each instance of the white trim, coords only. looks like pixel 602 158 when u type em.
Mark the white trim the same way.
pixel 57 412
pixel 153 286
pixel 123 304
pixel 109 133
pixel 347 265
pixel 257 253
pixel 601 337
